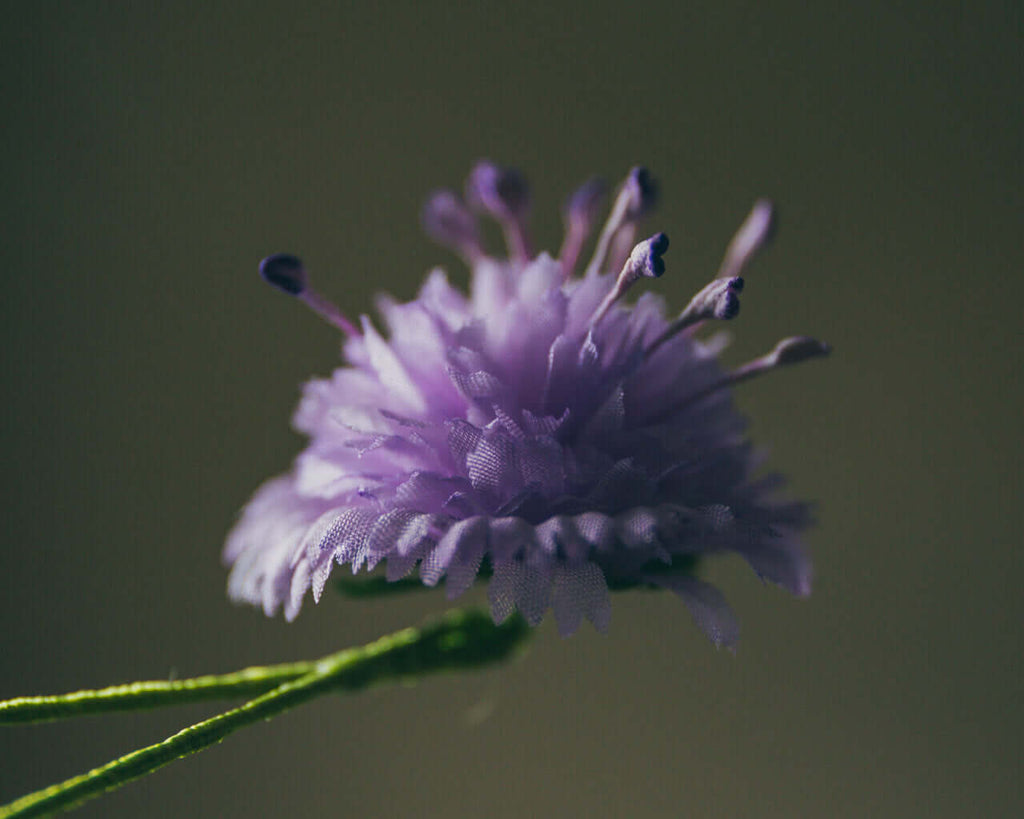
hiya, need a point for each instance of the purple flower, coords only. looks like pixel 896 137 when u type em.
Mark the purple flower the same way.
pixel 537 430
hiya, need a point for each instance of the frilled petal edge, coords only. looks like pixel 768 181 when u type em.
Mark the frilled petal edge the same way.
pixel 563 563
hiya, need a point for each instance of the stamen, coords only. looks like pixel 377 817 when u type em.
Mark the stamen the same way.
pixel 447 220
pixel 789 351
pixel 285 272
pixel 504 194
pixel 754 234
pixel 288 274
pixel 792 350
pixel 620 246
pixel 636 197
pixel 717 300
pixel 644 262
pixel 579 215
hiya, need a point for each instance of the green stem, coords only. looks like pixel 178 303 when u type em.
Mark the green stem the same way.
pixel 377 586
pixel 151 694
pixel 460 640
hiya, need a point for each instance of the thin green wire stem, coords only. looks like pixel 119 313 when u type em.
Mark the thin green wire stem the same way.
pixel 461 640
pixel 151 694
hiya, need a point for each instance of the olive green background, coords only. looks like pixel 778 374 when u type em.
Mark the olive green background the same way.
pixel 153 153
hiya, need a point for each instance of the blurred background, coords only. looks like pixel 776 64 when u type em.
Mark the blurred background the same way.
pixel 153 153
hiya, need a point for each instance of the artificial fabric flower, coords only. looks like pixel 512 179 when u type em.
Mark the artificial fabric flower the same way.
pixel 539 430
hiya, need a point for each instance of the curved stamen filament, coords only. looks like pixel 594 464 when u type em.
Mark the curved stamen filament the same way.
pixel 621 244
pixel 789 351
pixel 754 234
pixel 327 310
pixel 635 198
pixel 288 274
pixel 579 214
pixel 644 262
pixel 447 220
pixel 503 194
pixel 717 300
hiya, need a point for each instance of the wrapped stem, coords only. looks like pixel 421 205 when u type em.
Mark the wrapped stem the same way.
pixel 460 640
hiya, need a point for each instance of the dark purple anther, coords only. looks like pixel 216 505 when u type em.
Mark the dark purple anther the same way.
pixel 635 198
pixel 288 274
pixel 728 307
pixel 285 272
pixel 719 300
pixel 447 220
pixel 642 191
pixel 645 260
pixel 583 206
pixel 501 192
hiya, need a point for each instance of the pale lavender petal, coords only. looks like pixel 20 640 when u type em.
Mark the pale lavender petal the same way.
pixel 299 586
pixel 708 607
pixel 393 376
pixel 319 576
pixel 504 589
pixel 390 529
pixel 511 537
pixel 460 536
pixel 580 591
pixel 533 591
pixel 784 563
pixel 597 529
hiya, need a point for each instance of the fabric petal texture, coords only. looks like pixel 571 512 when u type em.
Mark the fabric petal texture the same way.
pixel 540 432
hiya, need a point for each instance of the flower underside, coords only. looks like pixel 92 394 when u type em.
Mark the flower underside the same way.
pixel 538 429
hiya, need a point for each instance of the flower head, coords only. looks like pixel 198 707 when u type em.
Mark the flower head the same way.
pixel 537 430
